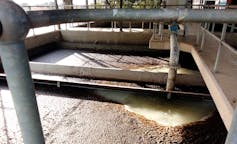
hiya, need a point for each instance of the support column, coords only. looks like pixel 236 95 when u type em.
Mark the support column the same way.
pixel 15 26
pixel 174 60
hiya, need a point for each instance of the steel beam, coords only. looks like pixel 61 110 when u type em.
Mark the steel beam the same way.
pixel 52 17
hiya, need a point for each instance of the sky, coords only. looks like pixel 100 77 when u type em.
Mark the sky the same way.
pixel 40 2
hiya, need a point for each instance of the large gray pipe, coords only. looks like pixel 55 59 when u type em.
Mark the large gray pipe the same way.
pixel 173 63
pixel 15 26
pixel 51 17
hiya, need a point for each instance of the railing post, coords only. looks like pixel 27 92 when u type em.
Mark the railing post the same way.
pixel 213 27
pixel 220 47
pixel 15 26
pixel 231 137
pixel 203 36
pixel 149 26
pixel 161 27
pixel 198 34
pixel 155 30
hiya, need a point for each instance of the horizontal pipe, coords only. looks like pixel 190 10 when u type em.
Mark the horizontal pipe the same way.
pixel 52 17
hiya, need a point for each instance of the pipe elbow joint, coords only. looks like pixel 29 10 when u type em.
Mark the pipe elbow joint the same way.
pixel 14 23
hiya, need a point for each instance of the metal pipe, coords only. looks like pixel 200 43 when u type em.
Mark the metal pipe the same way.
pixel 231 137
pixel 15 63
pixel 173 63
pixel 51 17
pixel 203 36
pixel 223 34
pixel 15 26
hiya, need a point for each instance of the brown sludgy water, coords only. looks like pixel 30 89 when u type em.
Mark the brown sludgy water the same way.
pixel 174 112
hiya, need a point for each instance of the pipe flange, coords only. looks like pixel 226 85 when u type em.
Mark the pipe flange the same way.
pixel 174 67
pixel 14 22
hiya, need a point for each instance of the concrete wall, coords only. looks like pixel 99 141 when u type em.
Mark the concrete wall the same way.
pixel 40 40
pixel 96 37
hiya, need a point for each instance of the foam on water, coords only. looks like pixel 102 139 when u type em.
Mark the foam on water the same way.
pixel 154 107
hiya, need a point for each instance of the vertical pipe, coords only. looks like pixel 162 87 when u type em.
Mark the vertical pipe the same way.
pixel 173 63
pixel 16 66
pixel 231 137
pixel 130 26
pixel 220 47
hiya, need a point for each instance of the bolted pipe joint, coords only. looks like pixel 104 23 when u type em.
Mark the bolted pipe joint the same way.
pixel 14 22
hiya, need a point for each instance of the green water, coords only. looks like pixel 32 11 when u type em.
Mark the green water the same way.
pixel 177 111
